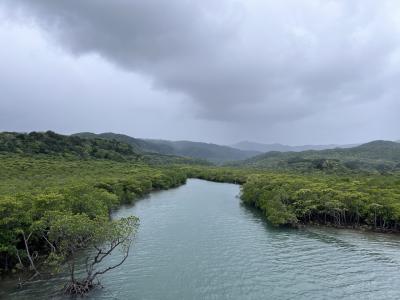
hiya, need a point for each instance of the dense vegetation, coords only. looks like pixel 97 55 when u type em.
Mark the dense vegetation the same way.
pixel 363 200
pixel 139 145
pixel 377 156
pixel 50 143
pixel 53 144
pixel 37 191
pixel 53 188
pixel 210 152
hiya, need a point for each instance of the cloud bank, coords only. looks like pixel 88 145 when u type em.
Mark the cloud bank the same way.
pixel 261 63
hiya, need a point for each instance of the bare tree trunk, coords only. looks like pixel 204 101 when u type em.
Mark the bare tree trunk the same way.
pixel 19 259
pixel 26 240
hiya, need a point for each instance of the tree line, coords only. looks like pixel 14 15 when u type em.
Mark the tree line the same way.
pixel 52 208
pixel 371 201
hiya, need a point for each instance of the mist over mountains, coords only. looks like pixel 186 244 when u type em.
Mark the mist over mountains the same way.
pixel 376 156
pixel 207 151
pixel 260 147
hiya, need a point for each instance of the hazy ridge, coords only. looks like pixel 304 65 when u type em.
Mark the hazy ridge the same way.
pixel 378 156
pixel 261 147
pixel 207 151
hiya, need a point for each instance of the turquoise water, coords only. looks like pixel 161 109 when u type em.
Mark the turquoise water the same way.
pixel 199 242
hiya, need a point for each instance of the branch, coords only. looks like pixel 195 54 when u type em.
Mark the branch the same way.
pixel 105 254
pixel 112 267
pixel 99 257
pixel 53 249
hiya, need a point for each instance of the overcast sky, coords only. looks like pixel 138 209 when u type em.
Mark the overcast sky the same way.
pixel 294 72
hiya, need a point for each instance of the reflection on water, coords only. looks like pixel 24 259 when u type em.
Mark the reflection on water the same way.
pixel 200 242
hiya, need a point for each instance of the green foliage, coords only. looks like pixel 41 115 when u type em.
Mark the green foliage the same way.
pixel 35 188
pixel 87 146
pixel 50 143
pixel 72 232
pixel 217 174
pixel 370 200
pixel 68 233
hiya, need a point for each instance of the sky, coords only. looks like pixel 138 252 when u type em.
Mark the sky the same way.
pixel 289 71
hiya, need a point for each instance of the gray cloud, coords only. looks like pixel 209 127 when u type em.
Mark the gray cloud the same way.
pixel 244 62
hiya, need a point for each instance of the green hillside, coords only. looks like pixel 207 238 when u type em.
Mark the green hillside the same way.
pixel 206 151
pixel 50 143
pixel 138 144
pixel 377 156
pixel 84 146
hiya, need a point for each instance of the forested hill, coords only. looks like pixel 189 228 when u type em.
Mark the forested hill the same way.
pixel 137 144
pixel 53 144
pixel 211 152
pixel 50 143
pixel 380 156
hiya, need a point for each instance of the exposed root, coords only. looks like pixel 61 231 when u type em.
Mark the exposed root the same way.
pixel 79 288
pixel 21 283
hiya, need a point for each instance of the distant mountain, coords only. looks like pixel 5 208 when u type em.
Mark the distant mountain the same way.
pixel 377 155
pixel 260 147
pixel 210 152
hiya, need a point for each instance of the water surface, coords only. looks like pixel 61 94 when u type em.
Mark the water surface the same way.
pixel 199 242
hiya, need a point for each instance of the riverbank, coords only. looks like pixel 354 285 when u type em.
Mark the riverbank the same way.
pixel 198 241
pixel 367 201
pixel 31 187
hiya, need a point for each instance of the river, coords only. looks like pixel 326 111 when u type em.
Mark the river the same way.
pixel 199 242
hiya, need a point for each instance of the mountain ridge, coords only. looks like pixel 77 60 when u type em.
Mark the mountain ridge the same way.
pixel 199 150
pixel 377 155
pixel 262 147
pixel 87 146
